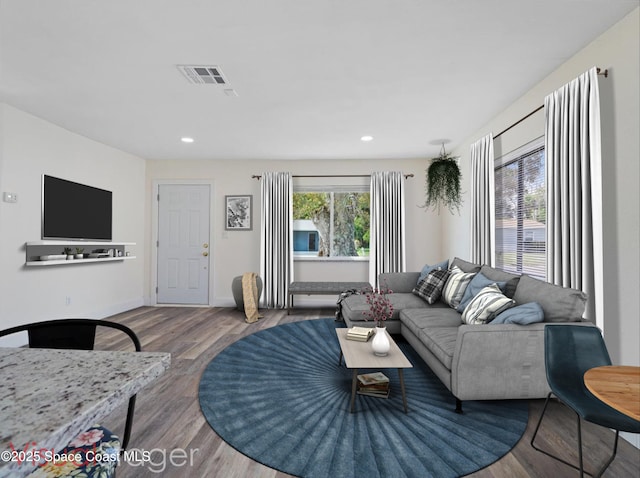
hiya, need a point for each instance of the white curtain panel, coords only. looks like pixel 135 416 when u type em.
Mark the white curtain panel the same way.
pixel 483 237
pixel 387 242
pixel 574 190
pixel 276 238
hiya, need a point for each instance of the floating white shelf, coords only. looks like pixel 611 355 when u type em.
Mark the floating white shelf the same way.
pixel 34 250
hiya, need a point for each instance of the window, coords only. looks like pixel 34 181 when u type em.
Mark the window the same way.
pixel 520 194
pixel 333 222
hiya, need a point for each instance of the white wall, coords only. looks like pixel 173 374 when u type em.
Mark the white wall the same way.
pixel 30 147
pixel 235 252
pixel 618 51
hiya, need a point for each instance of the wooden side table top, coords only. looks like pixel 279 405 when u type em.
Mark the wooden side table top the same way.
pixel 616 385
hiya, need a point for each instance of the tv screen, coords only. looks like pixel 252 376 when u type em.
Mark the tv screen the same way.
pixel 75 211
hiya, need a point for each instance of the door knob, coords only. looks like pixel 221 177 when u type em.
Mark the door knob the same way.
pixel 205 253
pixel 205 245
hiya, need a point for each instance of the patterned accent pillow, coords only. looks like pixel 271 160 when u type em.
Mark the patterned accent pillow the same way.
pixel 430 288
pixel 428 268
pixel 456 286
pixel 489 302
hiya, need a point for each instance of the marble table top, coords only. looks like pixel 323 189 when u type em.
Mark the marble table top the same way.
pixel 47 396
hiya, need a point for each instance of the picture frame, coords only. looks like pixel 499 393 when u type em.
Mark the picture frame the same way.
pixel 238 214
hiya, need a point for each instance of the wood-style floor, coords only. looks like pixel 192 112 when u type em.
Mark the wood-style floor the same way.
pixel 168 413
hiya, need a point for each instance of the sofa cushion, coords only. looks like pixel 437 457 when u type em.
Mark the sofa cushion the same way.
pixel 479 282
pixel 417 319
pixel 456 285
pixel 436 328
pixel 502 276
pixel 430 288
pixel 354 306
pixel 524 314
pixel 441 341
pixel 489 302
pixel 560 304
pixel 428 268
pixel 464 265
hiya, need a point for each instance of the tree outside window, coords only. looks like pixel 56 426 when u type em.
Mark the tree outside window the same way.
pixel 335 223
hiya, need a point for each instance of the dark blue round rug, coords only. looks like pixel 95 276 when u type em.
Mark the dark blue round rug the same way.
pixel 280 397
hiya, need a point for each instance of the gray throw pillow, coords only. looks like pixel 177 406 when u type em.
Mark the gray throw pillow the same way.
pixel 502 276
pixel 464 265
pixel 560 304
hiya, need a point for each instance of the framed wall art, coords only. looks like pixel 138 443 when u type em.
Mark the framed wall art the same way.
pixel 238 213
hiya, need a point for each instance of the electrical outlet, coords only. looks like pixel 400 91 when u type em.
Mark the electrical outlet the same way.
pixel 9 197
pixel 67 300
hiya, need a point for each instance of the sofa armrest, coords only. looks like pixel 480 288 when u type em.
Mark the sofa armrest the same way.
pixel 493 362
pixel 399 281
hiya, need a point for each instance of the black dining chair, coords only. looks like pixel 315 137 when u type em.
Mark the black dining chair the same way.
pixel 80 334
pixel 571 350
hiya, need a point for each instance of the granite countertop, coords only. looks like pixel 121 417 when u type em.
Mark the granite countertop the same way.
pixel 49 395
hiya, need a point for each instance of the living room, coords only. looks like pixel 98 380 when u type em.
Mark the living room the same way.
pixel 31 146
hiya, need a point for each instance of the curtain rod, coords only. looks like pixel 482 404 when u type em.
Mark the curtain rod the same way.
pixel 257 176
pixel 605 73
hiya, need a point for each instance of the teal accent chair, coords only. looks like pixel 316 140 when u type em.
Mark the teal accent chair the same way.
pixel 571 350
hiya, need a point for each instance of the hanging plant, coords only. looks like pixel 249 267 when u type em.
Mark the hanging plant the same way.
pixel 443 183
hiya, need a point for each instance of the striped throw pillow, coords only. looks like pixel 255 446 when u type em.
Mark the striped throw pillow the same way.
pixel 486 305
pixel 456 285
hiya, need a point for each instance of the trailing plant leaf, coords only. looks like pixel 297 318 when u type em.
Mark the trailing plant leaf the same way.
pixel 443 184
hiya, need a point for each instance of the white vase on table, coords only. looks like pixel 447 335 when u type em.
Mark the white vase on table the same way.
pixel 380 343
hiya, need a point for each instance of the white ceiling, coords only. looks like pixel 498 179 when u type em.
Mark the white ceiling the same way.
pixel 312 76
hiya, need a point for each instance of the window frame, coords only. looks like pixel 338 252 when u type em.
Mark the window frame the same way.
pixel 505 160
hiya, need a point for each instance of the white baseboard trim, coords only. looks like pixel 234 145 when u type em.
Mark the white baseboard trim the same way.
pixel 117 308
pixel 632 438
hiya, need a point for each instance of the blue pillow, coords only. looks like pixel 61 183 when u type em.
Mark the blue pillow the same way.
pixel 524 314
pixel 427 268
pixel 479 282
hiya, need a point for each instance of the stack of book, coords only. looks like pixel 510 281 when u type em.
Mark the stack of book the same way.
pixel 373 384
pixel 361 334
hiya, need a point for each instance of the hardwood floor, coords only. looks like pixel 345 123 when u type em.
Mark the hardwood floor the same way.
pixel 168 413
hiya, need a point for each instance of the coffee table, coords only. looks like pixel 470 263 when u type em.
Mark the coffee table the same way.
pixel 358 355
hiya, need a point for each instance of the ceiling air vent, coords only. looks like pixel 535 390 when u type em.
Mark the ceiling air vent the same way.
pixel 200 75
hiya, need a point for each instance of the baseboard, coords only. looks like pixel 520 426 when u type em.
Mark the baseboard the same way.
pixel 112 309
pixel 632 438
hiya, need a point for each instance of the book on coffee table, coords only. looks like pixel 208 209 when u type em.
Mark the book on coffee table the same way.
pixel 361 334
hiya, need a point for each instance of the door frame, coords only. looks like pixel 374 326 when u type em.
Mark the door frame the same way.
pixel 153 277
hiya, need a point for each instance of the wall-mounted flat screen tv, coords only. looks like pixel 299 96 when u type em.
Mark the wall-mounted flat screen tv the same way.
pixel 75 211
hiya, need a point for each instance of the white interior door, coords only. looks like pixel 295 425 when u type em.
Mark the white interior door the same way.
pixel 183 244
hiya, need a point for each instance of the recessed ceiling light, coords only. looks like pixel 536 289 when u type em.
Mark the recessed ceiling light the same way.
pixel 366 138
pixel 186 140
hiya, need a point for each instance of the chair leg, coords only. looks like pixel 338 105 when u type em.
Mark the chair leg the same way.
pixel 535 432
pixel 613 455
pixel 459 406
pixel 580 457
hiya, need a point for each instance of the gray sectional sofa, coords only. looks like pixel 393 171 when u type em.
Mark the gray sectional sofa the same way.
pixel 483 361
